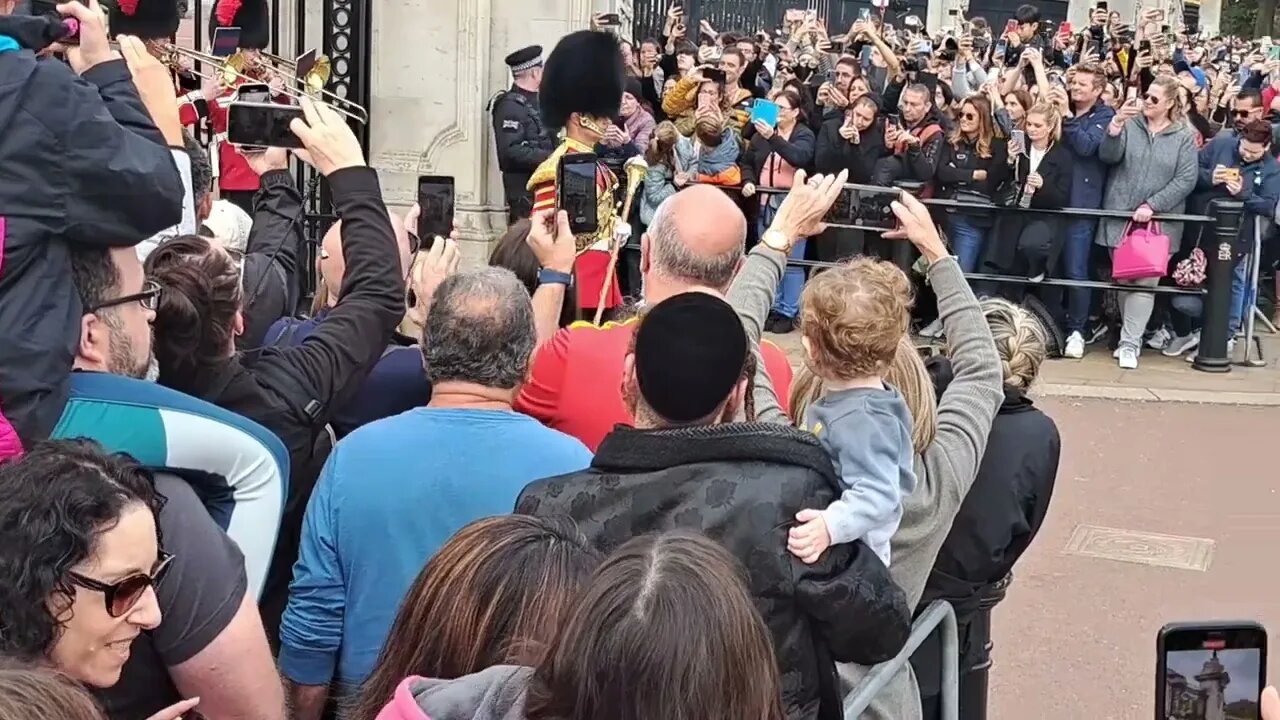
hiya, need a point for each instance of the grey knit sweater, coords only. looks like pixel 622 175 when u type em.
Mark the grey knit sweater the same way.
pixel 1159 170
pixel 946 469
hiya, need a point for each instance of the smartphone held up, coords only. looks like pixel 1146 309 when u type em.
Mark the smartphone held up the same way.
pixel 435 209
pixel 576 191
pixel 1211 670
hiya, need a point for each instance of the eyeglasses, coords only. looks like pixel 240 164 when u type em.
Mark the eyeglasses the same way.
pixel 122 595
pixel 1242 113
pixel 149 298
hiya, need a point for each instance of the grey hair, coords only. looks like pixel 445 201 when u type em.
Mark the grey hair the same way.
pixel 672 258
pixel 480 330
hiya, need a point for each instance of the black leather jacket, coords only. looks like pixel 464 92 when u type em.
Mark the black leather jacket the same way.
pixel 742 485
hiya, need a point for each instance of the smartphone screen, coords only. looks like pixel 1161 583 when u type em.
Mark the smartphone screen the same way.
pixel 253 93
pixel 435 202
pixel 576 191
pixel 610 20
pixel 262 124
pixel 1210 670
pixel 226 40
pixel 864 208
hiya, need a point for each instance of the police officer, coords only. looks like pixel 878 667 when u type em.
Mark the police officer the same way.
pixel 522 144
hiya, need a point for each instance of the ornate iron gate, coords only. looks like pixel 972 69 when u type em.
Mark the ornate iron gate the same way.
pixel 752 16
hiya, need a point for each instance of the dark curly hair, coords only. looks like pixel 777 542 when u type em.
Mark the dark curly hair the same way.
pixel 54 504
pixel 200 293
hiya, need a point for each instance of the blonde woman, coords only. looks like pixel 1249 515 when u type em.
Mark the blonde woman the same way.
pixel 1152 149
pixel 1029 244
pixel 1001 514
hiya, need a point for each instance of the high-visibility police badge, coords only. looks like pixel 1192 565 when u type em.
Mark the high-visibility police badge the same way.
pixel 511 125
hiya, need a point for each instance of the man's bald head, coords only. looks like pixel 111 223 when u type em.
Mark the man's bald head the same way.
pixel 333 266
pixel 696 239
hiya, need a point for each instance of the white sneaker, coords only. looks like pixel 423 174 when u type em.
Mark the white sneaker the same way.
pixel 1075 347
pixel 932 330
pixel 1159 339
pixel 1128 358
pixel 1182 345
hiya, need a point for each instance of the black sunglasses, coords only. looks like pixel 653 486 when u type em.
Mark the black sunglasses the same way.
pixel 969 116
pixel 1152 99
pixel 149 298
pixel 121 595
pixel 1242 113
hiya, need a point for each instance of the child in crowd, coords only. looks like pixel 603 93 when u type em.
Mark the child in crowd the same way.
pixel 851 320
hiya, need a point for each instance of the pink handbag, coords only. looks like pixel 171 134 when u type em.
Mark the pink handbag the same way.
pixel 1143 253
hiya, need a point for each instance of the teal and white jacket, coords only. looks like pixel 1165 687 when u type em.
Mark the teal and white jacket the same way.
pixel 239 469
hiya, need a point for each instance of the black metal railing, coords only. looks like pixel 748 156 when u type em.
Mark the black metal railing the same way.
pixel 1222 223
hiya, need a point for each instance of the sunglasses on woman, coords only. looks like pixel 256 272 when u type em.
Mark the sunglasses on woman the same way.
pixel 121 595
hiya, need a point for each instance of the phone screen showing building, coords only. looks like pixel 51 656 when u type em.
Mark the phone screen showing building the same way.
pixel 578 195
pixel 1222 684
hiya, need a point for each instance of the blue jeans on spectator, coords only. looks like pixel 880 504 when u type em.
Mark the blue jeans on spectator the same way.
pixel 1241 297
pixel 787 302
pixel 967 242
pixel 1075 266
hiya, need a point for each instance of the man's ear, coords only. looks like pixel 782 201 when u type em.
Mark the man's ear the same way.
pixel 93 338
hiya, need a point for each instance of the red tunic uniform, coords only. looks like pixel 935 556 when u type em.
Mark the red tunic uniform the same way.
pixel 576 382
pixel 233 171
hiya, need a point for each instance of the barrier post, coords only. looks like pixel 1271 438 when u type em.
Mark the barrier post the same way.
pixel 1220 255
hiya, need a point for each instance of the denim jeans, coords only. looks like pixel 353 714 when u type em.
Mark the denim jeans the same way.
pixel 1241 298
pixel 787 302
pixel 967 242
pixel 1075 266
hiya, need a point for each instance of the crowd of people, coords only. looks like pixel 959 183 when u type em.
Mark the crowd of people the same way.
pixel 438 493
pixel 1142 117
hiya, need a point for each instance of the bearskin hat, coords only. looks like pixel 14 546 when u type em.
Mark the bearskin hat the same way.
pixel 251 16
pixel 144 19
pixel 583 74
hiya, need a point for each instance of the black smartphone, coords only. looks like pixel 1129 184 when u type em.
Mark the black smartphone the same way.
pixel 253 93
pixel 715 75
pixel 188 82
pixel 226 40
pixel 893 119
pixel 1102 4
pixel 576 191
pixel 1144 46
pixel 304 63
pixel 435 206
pixel 262 124
pixel 864 208
pixel 1210 670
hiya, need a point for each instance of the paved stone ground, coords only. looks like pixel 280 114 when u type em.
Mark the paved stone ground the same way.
pixel 1076 636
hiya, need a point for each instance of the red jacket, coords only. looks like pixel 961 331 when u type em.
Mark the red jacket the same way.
pixel 234 172
pixel 575 384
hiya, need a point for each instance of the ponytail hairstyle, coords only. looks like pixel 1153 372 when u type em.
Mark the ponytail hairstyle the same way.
pixel 201 294
pixel 661 150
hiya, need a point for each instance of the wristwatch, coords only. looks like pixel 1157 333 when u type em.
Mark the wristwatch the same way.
pixel 555 277
pixel 776 240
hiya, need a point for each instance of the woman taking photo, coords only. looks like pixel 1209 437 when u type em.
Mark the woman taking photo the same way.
pixel 665 629
pixel 999 517
pixel 1010 110
pixel 497 593
pixel 80 561
pixel 1028 244
pixel 771 159
pixel 972 165
pixel 1153 151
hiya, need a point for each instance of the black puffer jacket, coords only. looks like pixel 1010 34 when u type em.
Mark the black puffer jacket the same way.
pixel 742 485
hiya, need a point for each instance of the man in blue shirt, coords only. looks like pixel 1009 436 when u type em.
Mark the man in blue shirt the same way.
pixel 395 490
pixel 1085 118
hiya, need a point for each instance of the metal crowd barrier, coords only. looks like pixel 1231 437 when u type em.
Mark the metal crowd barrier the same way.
pixel 938 613
pixel 1223 215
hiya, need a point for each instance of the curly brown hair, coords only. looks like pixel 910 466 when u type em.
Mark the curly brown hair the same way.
pixel 852 317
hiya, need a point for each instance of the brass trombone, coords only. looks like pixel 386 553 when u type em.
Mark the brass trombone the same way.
pixel 229 70
pixel 312 84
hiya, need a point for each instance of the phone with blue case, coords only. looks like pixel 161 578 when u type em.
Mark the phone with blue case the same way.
pixel 765 111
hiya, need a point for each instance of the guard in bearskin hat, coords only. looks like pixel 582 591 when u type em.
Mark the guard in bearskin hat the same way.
pixel 236 181
pixel 582 83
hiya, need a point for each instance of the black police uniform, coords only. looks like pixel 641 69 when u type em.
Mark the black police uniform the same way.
pixel 522 143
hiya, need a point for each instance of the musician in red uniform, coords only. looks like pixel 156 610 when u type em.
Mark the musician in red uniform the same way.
pixel 236 181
